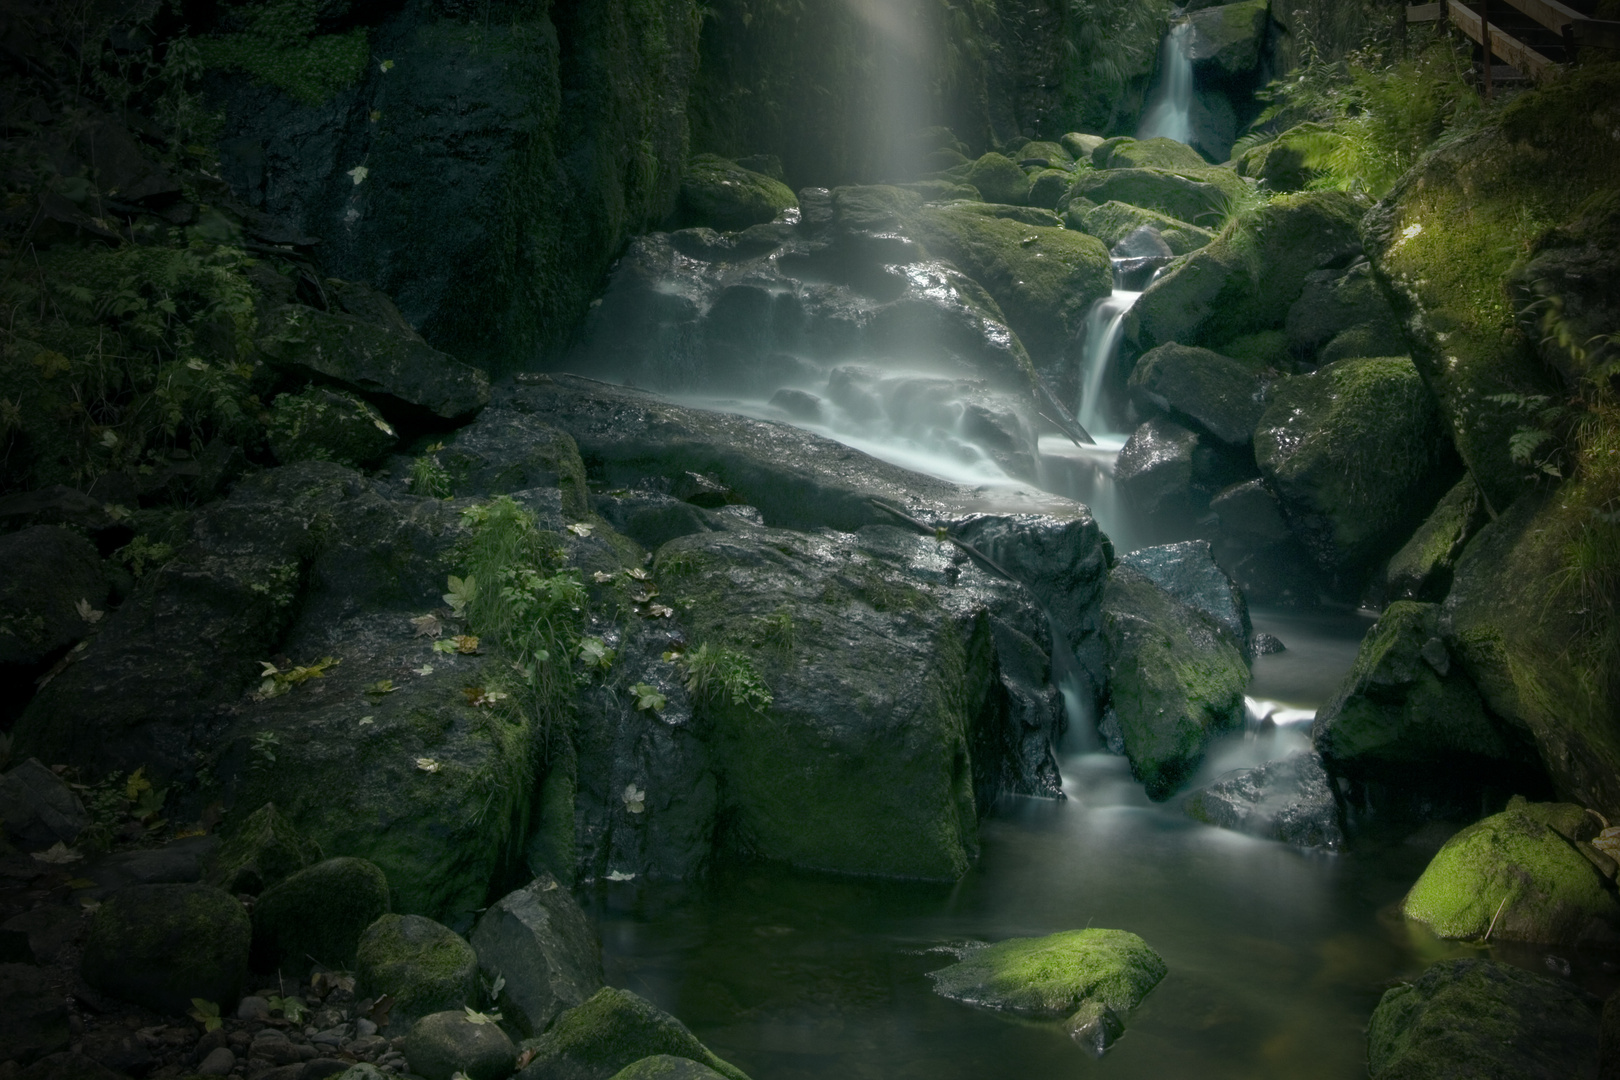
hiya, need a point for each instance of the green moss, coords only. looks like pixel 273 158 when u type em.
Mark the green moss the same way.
pixel 1113 221
pixel 665 1067
pixel 1157 153
pixel 1047 186
pixel 260 852
pixel 320 913
pixel 280 46
pixel 425 967
pixel 1263 349
pixel 1421 569
pixel 162 945
pixel 612 1030
pixel 1515 872
pixel 1053 976
pixel 999 179
pixel 326 425
pixel 1199 196
pixel 723 195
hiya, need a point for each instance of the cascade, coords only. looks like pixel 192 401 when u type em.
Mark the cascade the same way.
pixel 1169 111
pixel 1104 326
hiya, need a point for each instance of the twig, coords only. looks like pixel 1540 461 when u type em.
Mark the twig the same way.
pixel 988 562
pixel 1599 816
pixel 1498 915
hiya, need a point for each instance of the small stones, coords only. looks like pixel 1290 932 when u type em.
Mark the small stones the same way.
pixel 219 1062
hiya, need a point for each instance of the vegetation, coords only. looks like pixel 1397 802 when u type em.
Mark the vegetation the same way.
pixel 280 43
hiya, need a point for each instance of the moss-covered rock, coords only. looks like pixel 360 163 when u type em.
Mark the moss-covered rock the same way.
pixel 1279 164
pixel 1356 451
pixel 1048 186
pixel 1211 392
pixel 1347 311
pixel 1480 1018
pixel 1248 278
pixel 1197 196
pixel 1227 39
pixel 666 1067
pixel 1447 238
pixel 445 1044
pixel 1421 569
pixel 49 572
pixel 999 180
pixel 1174 680
pixel 264 849
pixel 1113 221
pixel 1516 878
pixel 424 966
pixel 1092 977
pixel 723 195
pixel 1080 145
pixel 615 1028
pixel 318 915
pixel 1155 153
pixel 1044 279
pixel 538 943
pixel 1053 153
pixel 162 945
pixel 326 425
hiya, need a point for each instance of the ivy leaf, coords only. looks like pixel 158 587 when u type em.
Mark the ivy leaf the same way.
pixel 58 854
pixel 635 800
pixel 446 646
pixel 476 1017
pixel 425 669
pixel 358 174
pixel 205 1013
pixel 428 765
pixel 462 592
pixel 601 577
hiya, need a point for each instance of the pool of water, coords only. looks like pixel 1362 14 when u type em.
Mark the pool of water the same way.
pixel 1277 956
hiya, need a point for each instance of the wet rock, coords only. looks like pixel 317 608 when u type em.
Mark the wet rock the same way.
pixel 443 1044
pixel 724 195
pixel 799 405
pixel 615 1028
pixel 45 931
pixel 219 1062
pixel 262 851
pixel 1175 682
pixel 539 941
pixel 318 915
pixel 1227 40
pixel 1093 977
pixel 666 1067
pixel 1477 1017
pixel 1251 511
pixel 1158 153
pixel 1155 468
pixel 1335 301
pixel 52 589
pixel 1113 221
pixel 1517 878
pixel 1246 280
pixel 1351 450
pixel 1290 800
pixel 38 808
pixel 68 1065
pixel 1421 569
pixel 177 862
pixel 120 1050
pixel 509 453
pixel 162 945
pixel 1048 186
pixel 1210 392
pixel 1268 644
pixel 1188 572
pixel 1080 145
pixel 33 1019
pixel 425 967
pixel 999 180
pixel 326 425
pixel 1197 198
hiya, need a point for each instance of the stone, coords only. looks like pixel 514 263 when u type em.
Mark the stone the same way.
pixel 262 851
pixel 540 942
pixel 38 808
pixel 68 1065
pixel 1336 302
pixel 1159 153
pixel 1080 145
pixel 1289 800
pixel 1090 976
pixel 1422 568
pixel 1246 280
pixel 1209 392
pixel 1250 510
pixel 1227 40
pixel 1478 1017
pixel 1514 877
pixel 326 425
pixel 253 1007
pixel 1354 450
pixel 50 571
pixel 666 1067
pixel 317 915
pixel 33 1019
pixel 162 945
pixel 1188 572
pixel 442 1044
pixel 46 931
pixel 999 180
pixel 1048 186
pixel 1195 196
pixel 219 1062
pixel 723 195
pixel 613 1029
pixel 1174 680
pixel 425 967
pixel 178 862
pixel 1572 268
pixel 1113 221
pixel 1279 164
pixel 1155 467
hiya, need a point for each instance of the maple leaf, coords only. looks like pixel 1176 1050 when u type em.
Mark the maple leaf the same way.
pixel 428 625
pixel 58 854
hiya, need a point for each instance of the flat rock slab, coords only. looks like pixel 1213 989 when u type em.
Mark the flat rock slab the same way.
pixel 1288 800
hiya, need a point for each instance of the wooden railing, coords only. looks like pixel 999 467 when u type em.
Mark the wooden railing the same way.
pixel 1577 31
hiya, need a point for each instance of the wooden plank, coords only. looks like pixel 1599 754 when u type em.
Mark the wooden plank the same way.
pixel 1598 32
pixel 1503 44
pixel 1422 13
pixel 1549 13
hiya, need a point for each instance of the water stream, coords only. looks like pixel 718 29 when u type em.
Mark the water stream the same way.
pixel 1169 110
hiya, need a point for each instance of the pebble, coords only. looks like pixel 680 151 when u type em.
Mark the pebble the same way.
pixel 253 1008
pixel 364 1027
pixel 219 1062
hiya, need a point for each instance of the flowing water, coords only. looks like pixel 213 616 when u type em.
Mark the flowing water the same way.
pixel 1169 110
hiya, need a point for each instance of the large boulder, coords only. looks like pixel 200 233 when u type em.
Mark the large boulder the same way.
pixel 723 195
pixel 538 944
pixel 1341 312
pixel 327 425
pixel 999 180
pixel 38 809
pixel 424 966
pixel 1357 454
pixel 1188 571
pixel 318 915
pixel 162 945
pixel 1113 221
pixel 1248 278
pixel 33 1019
pixel 1480 1018
pixel 1517 876
pixel 453 1043
pixel 1422 568
pixel 1574 279
pixel 1213 393
pixel 1158 153
pixel 1155 466
pixel 666 1067
pixel 1091 977
pixel 1280 163
pixel 1227 40
pixel 1174 680
pixel 613 1029
pixel 1195 196
pixel 53 587
pixel 1290 800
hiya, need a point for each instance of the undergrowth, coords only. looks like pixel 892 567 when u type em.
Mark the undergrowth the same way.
pixel 723 676
pixel 280 44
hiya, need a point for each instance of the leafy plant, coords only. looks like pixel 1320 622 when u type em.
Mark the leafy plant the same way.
pixel 776 629
pixel 430 478
pixel 263 748
pixel 595 655
pixel 274 682
pixel 648 698
pixel 462 592
pixel 142 554
pixel 205 1013
pixel 1538 444
pixel 293 1008
pixel 723 675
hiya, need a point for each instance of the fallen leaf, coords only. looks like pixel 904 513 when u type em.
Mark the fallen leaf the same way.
pixel 58 854
pixel 638 573
pixel 87 613
pixel 364 720
pixel 635 800
pixel 359 174
pixel 386 65
pixel 428 765
pixel 466 644
pixel 620 875
pixel 425 669
pixel 660 611
pixel 580 528
pixel 601 577
pixel 381 687
pixel 428 625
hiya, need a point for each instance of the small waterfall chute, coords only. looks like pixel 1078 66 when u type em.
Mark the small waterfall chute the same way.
pixel 1169 111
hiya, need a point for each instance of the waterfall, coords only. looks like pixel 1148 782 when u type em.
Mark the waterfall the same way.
pixel 1104 326
pixel 1169 111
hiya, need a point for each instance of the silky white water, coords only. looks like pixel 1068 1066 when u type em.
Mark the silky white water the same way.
pixel 1169 111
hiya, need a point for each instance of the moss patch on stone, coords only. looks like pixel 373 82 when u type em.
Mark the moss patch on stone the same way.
pixel 424 966
pixel 162 945
pixel 723 195
pixel 1113 221
pixel 264 849
pixel 281 45
pixel 318 913
pixel 1053 976
pixel 615 1028
pixel 999 180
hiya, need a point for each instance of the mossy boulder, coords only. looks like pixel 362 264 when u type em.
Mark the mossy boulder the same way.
pixel 424 966
pixel 260 852
pixel 1044 279
pixel 1479 1018
pixel 49 571
pixel 1114 221
pixel 1340 311
pixel 1080 145
pixel 1248 278
pixel 1517 878
pixel 162 945
pixel 1421 569
pixel 445 1044
pixel 615 1028
pixel 1092 977
pixel 317 915
pixel 1356 452
pixel 1210 392
pixel 1407 715
pixel 999 180
pixel 1448 238
pixel 1048 186
pixel 1227 40
pixel 1053 153
pixel 723 195
pixel 1196 196
pixel 326 425
pixel 666 1067
pixel 1280 163
pixel 1174 680
pixel 1155 153
pixel 538 943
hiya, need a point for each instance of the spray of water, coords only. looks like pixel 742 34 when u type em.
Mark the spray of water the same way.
pixel 1104 326
pixel 1169 111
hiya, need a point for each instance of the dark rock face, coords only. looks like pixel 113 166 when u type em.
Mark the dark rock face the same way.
pixel 1422 568
pixel 1290 800
pixel 162 945
pixel 321 911
pixel 1188 572
pixel 1342 314
pixel 38 809
pixel 1215 394
pixel 33 1021
pixel 1155 468
pixel 1481 1018
pixel 49 572
pixel 540 941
